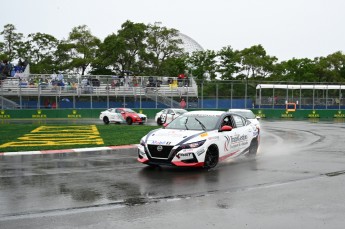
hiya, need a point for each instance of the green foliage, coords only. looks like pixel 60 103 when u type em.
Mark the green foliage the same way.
pixel 255 62
pixel 229 60
pixel 154 49
pixel 203 64
pixel 12 41
pixel 162 43
pixel 82 47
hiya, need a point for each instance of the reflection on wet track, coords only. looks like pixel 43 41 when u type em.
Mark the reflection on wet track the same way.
pixel 290 153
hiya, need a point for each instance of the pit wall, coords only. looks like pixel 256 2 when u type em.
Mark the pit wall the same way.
pixel 94 113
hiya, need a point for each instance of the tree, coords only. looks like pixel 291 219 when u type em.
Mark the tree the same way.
pixel 108 55
pixel 256 63
pixel 229 61
pixel 204 64
pixel 11 41
pixel 82 47
pixel 173 66
pixel 301 70
pixel 133 36
pixel 162 43
pixel 41 52
pixel 123 51
pixel 63 54
pixel 334 67
pixel 2 51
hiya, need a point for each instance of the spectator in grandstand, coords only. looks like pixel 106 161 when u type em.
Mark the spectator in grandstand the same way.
pixel 186 81
pixel 84 82
pixel 135 81
pixel 53 77
pixel 6 69
pixel 180 79
pixel 114 83
pixel 60 77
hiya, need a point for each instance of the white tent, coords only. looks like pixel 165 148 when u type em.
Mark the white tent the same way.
pixel 300 86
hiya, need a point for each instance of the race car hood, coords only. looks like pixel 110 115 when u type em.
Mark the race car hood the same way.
pixel 170 136
pixel 142 115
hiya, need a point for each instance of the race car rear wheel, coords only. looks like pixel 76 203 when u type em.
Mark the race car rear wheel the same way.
pixel 159 122
pixel 106 120
pixel 211 157
pixel 253 148
pixel 129 121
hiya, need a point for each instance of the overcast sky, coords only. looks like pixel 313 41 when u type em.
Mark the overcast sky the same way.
pixel 285 28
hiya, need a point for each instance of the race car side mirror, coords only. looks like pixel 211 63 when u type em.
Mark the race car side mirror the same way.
pixel 165 125
pixel 225 128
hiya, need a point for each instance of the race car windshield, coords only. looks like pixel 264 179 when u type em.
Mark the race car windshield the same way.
pixel 246 114
pixel 194 122
pixel 128 110
pixel 180 112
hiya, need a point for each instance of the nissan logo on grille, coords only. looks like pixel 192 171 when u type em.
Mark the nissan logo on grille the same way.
pixel 159 148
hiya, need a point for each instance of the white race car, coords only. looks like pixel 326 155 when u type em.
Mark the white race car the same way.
pixel 122 115
pixel 248 114
pixel 199 139
pixel 167 115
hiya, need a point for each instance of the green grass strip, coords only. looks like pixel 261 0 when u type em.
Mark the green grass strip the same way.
pixel 112 135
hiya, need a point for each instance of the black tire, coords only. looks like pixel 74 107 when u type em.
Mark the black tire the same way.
pixel 106 120
pixel 211 157
pixel 129 121
pixel 253 148
pixel 159 122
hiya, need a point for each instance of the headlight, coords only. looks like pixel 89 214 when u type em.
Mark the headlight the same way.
pixel 193 144
pixel 142 142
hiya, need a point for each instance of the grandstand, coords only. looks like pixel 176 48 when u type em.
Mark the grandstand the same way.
pixel 33 89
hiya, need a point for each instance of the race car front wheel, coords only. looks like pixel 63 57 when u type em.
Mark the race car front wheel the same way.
pixel 211 157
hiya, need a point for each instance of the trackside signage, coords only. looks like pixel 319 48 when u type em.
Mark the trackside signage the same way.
pixel 287 115
pixel 3 115
pixel 74 114
pixel 261 114
pixel 39 115
pixel 314 115
pixel 339 115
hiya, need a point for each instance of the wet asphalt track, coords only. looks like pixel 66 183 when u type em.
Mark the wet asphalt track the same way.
pixel 296 181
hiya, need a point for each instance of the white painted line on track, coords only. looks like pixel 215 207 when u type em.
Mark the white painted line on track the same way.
pixel 79 150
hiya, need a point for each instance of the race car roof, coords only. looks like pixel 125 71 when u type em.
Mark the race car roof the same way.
pixel 204 112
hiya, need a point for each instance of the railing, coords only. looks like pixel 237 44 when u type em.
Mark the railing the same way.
pixel 92 88
pixel 42 91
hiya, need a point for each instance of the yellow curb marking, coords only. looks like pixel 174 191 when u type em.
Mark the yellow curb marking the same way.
pixel 59 135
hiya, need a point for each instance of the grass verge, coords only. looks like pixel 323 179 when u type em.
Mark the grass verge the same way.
pixel 112 135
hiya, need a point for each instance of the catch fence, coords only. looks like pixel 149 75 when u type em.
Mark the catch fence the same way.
pixel 77 92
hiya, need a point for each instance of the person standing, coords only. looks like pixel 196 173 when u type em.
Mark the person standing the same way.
pixel 183 104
